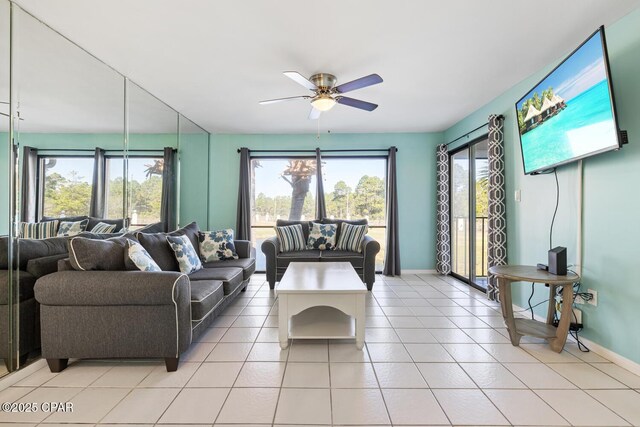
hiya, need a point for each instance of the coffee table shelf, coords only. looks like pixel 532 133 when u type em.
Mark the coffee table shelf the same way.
pixel 322 323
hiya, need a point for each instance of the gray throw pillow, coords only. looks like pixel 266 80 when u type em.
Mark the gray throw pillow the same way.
pixel 89 254
pixel 157 246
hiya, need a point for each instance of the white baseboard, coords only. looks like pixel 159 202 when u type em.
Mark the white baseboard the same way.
pixel 418 272
pixel 21 374
pixel 610 355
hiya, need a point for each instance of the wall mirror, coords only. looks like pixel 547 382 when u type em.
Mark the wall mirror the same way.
pixel 70 129
pixel 152 160
pixel 83 149
pixel 5 190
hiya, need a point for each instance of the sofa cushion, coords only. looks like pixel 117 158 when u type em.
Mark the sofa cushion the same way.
pixel 30 249
pixel 205 296
pixel 119 223
pixel 26 282
pixel 305 226
pixel 4 253
pixel 185 254
pixel 284 258
pixel 72 228
pixel 38 230
pixel 64 218
pixel 248 265
pixel 102 255
pixel 217 245
pixel 136 258
pixel 231 277
pixel 322 236
pixel 103 228
pixel 351 237
pixel 291 238
pixel 158 247
pixel 338 222
pixel 356 259
pixel 39 267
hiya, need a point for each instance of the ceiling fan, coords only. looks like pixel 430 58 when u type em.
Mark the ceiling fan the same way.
pixel 327 94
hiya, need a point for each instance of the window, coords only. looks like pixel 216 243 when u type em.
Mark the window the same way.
pixel 285 188
pixel 355 188
pixel 66 185
pixel 145 189
pixel 282 189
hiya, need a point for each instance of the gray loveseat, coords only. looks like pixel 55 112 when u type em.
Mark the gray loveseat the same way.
pixel 277 261
pixel 134 314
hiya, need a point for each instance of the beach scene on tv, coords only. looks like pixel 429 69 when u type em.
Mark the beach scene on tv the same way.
pixel 569 113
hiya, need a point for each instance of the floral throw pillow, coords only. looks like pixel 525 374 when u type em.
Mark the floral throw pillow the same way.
pixel 72 228
pixel 217 245
pixel 185 253
pixel 140 257
pixel 322 236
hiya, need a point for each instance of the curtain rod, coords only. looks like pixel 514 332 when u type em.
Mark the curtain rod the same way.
pixel 357 150
pixel 93 150
pixel 500 117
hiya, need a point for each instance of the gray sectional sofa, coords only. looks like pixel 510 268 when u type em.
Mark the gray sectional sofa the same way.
pixel 134 314
pixel 277 261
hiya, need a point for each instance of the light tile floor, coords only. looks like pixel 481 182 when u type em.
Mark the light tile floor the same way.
pixel 436 353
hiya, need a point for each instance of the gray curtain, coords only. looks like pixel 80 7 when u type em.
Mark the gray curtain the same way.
pixel 168 201
pixel 392 255
pixel 497 241
pixel 98 189
pixel 28 188
pixel 443 224
pixel 243 220
pixel 321 208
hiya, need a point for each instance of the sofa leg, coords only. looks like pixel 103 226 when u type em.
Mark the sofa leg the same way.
pixel 272 285
pixel 171 363
pixel 57 365
pixel 244 289
pixel 369 286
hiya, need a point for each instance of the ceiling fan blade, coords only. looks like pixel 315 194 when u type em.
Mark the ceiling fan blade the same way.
pixel 300 79
pixel 314 114
pixel 290 98
pixel 356 103
pixel 370 80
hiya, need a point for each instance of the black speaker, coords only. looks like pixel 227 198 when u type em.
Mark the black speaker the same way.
pixel 558 261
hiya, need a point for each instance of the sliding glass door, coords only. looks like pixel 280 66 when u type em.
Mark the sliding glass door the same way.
pixel 469 209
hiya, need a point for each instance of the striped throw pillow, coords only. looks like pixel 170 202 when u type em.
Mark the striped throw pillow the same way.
pixel 38 230
pixel 351 237
pixel 103 227
pixel 291 238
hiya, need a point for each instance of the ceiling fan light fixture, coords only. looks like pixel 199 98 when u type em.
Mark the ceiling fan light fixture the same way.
pixel 323 102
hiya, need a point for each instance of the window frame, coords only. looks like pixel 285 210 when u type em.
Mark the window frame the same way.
pixel 283 156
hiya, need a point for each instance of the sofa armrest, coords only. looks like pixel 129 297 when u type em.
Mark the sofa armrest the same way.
pixel 370 248
pixel 39 267
pixel 270 248
pixel 243 248
pixel 113 288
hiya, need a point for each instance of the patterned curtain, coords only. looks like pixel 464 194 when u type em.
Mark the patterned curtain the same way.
pixel 443 232
pixel 497 241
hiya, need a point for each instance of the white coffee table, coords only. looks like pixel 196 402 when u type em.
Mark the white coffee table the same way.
pixel 310 295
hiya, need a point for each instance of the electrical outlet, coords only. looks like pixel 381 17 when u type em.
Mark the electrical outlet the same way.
pixel 594 300
pixel 518 195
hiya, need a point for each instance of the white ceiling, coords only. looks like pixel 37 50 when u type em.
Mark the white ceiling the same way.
pixel 214 60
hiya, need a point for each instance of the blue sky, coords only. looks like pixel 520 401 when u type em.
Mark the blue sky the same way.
pixel 84 168
pixel 269 182
pixel 578 73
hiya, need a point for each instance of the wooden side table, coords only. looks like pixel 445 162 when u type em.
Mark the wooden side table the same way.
pixel 557 337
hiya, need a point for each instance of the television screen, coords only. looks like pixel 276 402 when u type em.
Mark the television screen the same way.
pixel 570 114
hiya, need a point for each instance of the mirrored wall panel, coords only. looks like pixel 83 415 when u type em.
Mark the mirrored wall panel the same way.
pixel 193 152
pixel 5 190
pixel 83 151
pixel 152 160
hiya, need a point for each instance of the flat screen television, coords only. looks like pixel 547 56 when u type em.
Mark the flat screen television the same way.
pixel 571 113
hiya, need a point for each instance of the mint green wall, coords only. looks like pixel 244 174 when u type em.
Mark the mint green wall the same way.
pixel 611 234
pixel 415 172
